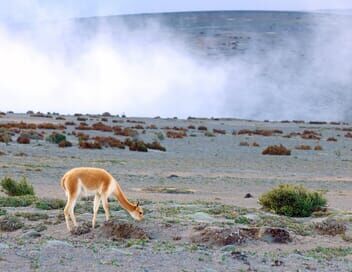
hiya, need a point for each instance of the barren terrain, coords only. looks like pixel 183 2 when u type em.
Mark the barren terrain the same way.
pixel 197 217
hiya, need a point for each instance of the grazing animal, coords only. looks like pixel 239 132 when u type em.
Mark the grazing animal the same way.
pixel 100 182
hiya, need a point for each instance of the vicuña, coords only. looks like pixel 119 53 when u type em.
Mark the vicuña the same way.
pixel 100 182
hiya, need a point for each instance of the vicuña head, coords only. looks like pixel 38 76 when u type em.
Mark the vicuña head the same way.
pixel 101 183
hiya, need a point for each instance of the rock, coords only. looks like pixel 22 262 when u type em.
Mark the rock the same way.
pixel 238 255
pixel 54 244
pixel 31 234
pixel 173 176
pixel 248 195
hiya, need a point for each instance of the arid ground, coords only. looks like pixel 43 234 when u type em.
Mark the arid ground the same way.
pixel 197 217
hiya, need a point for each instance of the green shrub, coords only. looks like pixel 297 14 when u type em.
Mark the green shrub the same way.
pixel 56 138
pixel 3 212
pixel 16 188
pixel 292 200
pixel 17 201
pixel 50 204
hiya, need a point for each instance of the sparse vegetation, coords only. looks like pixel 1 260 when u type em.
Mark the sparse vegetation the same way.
pixel 10 223
pixel 16 188
pixel 50 204
pixel 292 200
pixel 17 201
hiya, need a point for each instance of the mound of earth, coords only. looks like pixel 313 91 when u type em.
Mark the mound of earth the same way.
pixel 229 236
pixel 122 230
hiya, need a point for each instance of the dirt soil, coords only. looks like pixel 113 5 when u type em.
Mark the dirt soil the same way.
pixel 197 217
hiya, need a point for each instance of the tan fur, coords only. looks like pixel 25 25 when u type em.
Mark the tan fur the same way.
pixel 101 183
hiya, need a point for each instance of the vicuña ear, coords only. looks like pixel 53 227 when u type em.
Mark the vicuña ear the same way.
pixel 137 203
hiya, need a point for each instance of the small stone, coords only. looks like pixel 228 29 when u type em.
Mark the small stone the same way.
pixel 31 234
pixel 248 195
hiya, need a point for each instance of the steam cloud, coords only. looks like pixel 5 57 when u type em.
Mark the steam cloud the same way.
pixel 147 72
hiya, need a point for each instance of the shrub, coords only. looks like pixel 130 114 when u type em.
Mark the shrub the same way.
pixel 89 145
pixel 176 134
pixel 23 140
pixel 33 135
pixel 204 128
pixel 219 131
pixel 50 126
pixel 156 145
pixel 318 148
pixel 276 150
pixel 17 201
pixel 101 127
pixel 5 136
pixel 50 204
pixel 109 142
pixel 160 135
pixel 292 200
pixel 56 138
pixel 303 147
pixel 332 139
pixel 16 188
pixel 135 145
pixel 310 135
pixel 65 143
pixel 10 223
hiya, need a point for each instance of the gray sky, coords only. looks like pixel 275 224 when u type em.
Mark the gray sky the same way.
pixel 28 10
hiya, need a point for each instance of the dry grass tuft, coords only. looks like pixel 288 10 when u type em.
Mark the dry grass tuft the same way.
pixel 310 135
pixel 318 148
pixel 276 150
pixel 303 147
pixel 109 142
pixel 176 134
pixel 89 145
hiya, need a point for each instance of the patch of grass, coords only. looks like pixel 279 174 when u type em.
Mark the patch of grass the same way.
pixel 32 216
pixel 17 201
pixel 3 212
pixel 328 252
pixel 16 188
pixel 286 223
pixel 292 200
pixel 50 204
pixel 10 223
pixel 170 211
pixel 168 190
pixel 242 220
pixel 223 210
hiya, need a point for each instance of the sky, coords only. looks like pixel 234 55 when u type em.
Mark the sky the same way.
pixel 28 10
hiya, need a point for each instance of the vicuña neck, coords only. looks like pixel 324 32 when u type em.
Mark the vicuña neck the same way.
pixel 123 199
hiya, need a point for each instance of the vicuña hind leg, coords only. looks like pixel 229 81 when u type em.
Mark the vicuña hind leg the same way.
pixel 95 209
pixel 106 207
pixel 68 211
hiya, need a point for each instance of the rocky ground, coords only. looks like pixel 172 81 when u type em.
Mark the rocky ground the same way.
pixel 197 217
